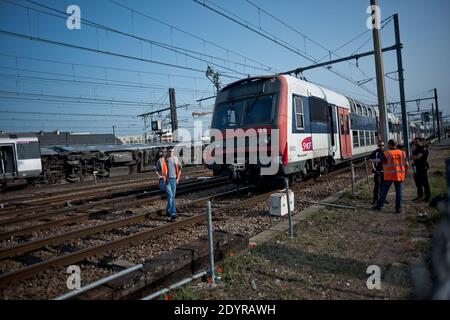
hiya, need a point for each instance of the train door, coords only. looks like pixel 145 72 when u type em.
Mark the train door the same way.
pixel 7 161
pixel 344 133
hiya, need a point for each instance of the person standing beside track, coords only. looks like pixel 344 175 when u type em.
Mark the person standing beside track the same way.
pixel 420 167
pixel 395 166
pixel 377 169
pixel 170 170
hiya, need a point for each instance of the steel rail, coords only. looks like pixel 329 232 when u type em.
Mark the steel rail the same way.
pixel 82 254
pixel 58 211
pixel 83 186
pixel 140 236
pixel 36 203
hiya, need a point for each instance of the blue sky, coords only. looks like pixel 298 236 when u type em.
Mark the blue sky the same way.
pixel 46 86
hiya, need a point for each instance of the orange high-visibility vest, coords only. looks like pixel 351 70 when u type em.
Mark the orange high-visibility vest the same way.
pixel 394 166
pixel 164 170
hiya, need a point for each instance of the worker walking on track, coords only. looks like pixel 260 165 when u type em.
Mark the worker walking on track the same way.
pixel 395 166
pixel 170 171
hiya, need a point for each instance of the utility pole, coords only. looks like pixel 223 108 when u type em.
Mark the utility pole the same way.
pixel 401 83
pixel 173 113
pixel 437 114
pixel 114 133
pixel 433 114
pixel 379 71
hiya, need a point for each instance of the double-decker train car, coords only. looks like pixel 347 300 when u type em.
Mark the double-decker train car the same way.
pixel 318 128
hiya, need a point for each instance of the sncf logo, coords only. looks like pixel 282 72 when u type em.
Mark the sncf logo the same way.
pixel 307 144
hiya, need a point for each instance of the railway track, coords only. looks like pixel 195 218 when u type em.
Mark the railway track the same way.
pixel 81 254
pixel 52 192
pixel 36 203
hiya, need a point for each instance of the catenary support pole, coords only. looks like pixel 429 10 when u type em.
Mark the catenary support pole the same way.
pixel 379 70
pixel 367 169
pixel 211 245
pixel 288 199
pixel 437 115
pixel 352 176
pixel 401 84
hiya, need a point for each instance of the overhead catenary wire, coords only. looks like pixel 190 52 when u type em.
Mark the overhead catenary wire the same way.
pixel 120 84
pixel 116 54
pixel 205 41
pixel 384 23
pixel 179 50
pixel 274 39
pixel 102 67
pixel 83 99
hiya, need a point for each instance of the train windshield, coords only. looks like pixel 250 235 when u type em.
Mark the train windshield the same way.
pixel 229 114
pixel 246 112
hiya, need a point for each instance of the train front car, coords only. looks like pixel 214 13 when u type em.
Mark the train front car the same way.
pixel 248 115
pixel 308 127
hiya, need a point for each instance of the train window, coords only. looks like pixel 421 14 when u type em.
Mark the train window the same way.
pixel 359 109
pixel 228 115
pixel 299 116
pixel 341 121
pixel 318 110
pixel 364 111
pixel 368 138
pixel 258 110
pixel 355 139
pixel 347 123
pixel 28 151
pixel 361 139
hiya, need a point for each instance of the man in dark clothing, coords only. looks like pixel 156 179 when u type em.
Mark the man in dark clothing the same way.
pixel 377 169
pixel 420 167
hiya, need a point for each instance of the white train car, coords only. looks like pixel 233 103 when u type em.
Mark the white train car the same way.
pixel 20 157
pixel 317 127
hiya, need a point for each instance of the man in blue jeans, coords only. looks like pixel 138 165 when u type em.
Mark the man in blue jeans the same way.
pixel 395 167
pixel 170 170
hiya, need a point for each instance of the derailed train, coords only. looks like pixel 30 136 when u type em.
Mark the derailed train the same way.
pixel 318 128
pixel 22 157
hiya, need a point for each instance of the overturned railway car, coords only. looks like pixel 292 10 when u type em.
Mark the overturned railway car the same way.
pixel 26 157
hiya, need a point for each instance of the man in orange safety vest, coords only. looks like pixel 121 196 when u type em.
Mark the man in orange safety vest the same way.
pixel 395 167
pixel 169 171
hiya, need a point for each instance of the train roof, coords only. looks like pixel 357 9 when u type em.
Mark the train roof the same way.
pixel 310 89
pixel 49 139
pixel 19 136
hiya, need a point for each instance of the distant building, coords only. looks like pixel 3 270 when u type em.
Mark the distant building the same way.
pixel 133 139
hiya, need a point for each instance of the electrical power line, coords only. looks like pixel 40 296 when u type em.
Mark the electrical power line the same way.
pixel 103 68
pixel 63 15
pixel 115 54
pixel 111 102
pixel 68 114
pixel 120 84
pixel 248 25
pixel 172 27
